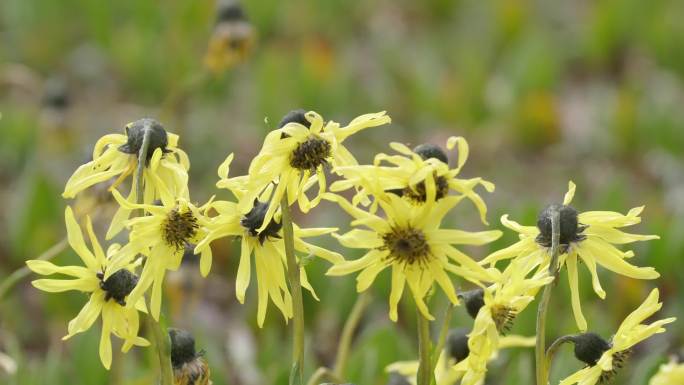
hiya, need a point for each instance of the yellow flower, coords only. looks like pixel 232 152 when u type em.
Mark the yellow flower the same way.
pixel 268 249
pixel 411 242
pixel 589 236
pixel 498 305
pixel 162 237
pixel 108 296
pixel 116 155
pixel 454 360
pixel 232 39
pixel 671 373
pixel 604 358
pixel 295 155
pixel 407 174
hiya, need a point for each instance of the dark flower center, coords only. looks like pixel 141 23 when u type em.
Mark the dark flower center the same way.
pixel 310 154
pixel 570 229
pixel 179 228
pixel 295 116
pixel 619 359
pixel 407 246
pixel 474 300
pixel 255 218
pixel 427 151
pixel 230 11
pixel 503 317
pixel 419 194
pixel 182 347
pixel 118 285
pixel 136 133
pixel 589 347
pixel 457 344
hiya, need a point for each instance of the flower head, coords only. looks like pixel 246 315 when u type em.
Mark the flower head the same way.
pixel 409 240
pixel 589 237
pixel 189 367
pixel 295 155
pixel 418 175
pixel 116 156
pixel 162 237
pixel 107 296
pixel 604 358
pixel 232 40
pixel 669 374
pixel 264 242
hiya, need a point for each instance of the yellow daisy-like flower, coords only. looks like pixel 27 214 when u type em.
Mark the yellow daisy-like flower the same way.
pixel 107 296
pixel 232 39
pixel 671 373
pixel 454 360
pixel 294 157
pixel 411 242
pixel 268 249
pixel 407 173
pixel 588 237
pixel 604 358
pixel 495 308
pixel 116 155
pixel 162 237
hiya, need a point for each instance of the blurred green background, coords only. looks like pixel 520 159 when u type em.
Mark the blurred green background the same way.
pixel 543 91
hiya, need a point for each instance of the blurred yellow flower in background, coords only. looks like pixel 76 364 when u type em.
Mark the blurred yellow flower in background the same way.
pixel 232 39
pixel 410 241
pixel 671 373
pixel 107 296
pixel 588 237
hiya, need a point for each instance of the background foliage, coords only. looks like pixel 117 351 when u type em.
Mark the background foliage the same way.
pixel 543 91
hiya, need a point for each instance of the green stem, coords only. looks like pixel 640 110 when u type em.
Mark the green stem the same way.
pixel 160 337
pixel 424 347
pixel 323 373
pixel 441 340
pixel 19 274
pixel 542 372
pixel 350 325
pixel 551 351
pixel 297 372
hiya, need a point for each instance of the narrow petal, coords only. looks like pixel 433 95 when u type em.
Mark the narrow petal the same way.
pixel 398 281
pixel 571 263
pixel 244 271
pixel 570 194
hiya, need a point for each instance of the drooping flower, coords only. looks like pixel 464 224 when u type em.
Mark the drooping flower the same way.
pixel 189 367
pixel 409 240
pixel 232 39
pixel 268 249
pixel 669 374
pixel 107 296
pixel 494 309
pixel 162 236
pixel 604 358
pixel 406 175
pixel 116 156
pixel 454 360
pixel 588 237
pixel 295 155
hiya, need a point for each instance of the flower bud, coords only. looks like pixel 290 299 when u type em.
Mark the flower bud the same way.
pixel 295 116
pixel 136 133
pixel 589 347
pixel 457 344
pixel 474 300
pixel 427 151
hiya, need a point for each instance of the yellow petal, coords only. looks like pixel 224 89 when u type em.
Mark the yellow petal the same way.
pixel 244 271
pixel 570 194
pixel 571 263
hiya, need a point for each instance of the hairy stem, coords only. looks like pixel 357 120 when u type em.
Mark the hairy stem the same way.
pixel 539 353
pixel 350 325
pixel 8 283
pixel 160 337
pixel 424 347
pixel 297 372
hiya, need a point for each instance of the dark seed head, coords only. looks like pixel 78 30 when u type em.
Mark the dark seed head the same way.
pixel 407 246
pixel 570 229
pixel 589 347
pixel 311 154
pixel 474 300
pixel 295 116
pixel 503 317
pixel 230 11
pixel 136 132
pixel 118 285
pixel 457 344
pixel 419 194
pixel 255 218
pixel 427 151
pixel 179 228
pixel 397 379
pixel 182 347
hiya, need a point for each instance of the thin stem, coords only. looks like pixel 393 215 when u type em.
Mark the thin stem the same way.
pixel 424 347
pixel 23 272
pixel 160 337
pixel 350 325
pixel 551 351
pixel 539 353
pixel 443 333
pixel 297 372
pixel 323 373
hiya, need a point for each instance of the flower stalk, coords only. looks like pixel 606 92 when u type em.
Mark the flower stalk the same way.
pixel 160 337
pixel 542 374
pixel 424 350
pixel 441 340
pixel 553 348
pixel 297 371
pixel 362 301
